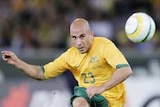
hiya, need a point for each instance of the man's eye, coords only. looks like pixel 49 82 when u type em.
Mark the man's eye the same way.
pixel 82 36
pixel 73 37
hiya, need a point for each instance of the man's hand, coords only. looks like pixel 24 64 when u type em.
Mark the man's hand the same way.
pixel 93 90
pixel 9 57
pixel 33 71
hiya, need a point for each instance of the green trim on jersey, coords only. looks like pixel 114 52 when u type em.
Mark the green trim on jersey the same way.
pixel 121 65
pixel 42 68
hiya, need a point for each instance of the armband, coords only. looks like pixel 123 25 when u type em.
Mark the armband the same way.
pixel 43 70
pixel 121 65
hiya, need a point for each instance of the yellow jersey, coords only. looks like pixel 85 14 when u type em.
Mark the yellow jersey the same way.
pixel 92 68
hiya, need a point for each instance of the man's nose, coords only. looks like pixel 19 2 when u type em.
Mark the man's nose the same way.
pixel 79 42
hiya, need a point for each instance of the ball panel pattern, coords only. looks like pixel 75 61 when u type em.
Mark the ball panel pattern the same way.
pixel 140 27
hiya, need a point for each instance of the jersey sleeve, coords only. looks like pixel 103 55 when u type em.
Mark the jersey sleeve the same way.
pixel 114 56
pixel 56 67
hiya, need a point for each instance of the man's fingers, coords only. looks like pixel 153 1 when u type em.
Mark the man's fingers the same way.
pixel 90 94
pixel 7 56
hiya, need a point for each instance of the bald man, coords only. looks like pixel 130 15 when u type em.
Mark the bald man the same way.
pixel 95 62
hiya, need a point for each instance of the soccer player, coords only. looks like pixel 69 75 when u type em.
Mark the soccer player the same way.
pixel 95 62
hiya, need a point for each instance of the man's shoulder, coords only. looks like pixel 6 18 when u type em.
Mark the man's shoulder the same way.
pixel 102 40
pixel 72 50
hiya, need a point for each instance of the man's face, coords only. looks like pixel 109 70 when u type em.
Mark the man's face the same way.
pixel 82 39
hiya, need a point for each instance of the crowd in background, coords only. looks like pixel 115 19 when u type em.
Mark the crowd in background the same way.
pixel 38 24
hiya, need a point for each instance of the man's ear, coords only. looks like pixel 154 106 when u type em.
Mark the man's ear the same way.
pixel 92 33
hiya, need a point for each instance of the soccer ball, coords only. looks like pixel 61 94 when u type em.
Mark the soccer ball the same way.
pixel 140 27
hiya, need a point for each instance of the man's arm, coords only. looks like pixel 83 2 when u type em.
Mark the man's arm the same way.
pixel 33 71
pixel 119 76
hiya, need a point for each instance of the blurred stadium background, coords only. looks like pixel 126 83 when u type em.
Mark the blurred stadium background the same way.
pixel 37 31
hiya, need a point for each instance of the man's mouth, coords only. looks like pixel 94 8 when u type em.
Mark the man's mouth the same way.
pixel 81 48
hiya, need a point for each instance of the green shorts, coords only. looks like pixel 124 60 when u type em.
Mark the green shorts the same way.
pixel 95 101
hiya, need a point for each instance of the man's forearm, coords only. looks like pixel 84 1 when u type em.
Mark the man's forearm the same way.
pixel 119 76
pixel 33 71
